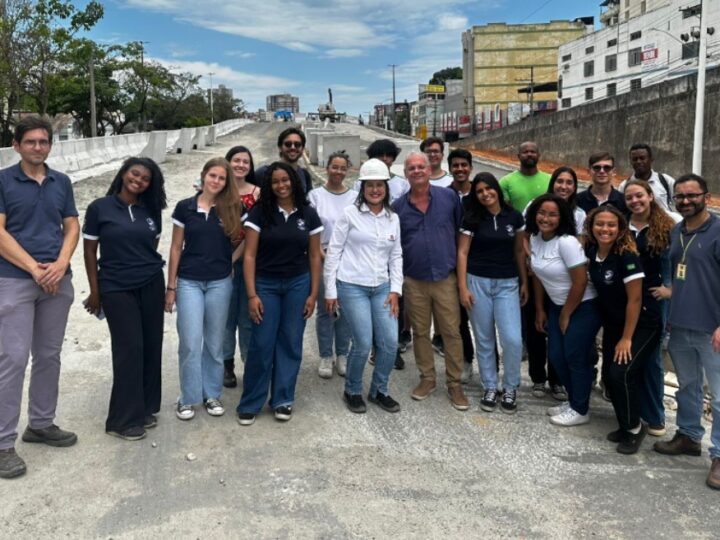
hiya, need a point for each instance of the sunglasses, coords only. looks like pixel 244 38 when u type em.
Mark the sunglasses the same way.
pixel 606 168
pixel 293 144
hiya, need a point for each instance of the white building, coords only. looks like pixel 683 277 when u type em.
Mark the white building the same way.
pixel 640 45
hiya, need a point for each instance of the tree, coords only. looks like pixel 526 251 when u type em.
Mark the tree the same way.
pixel 439 77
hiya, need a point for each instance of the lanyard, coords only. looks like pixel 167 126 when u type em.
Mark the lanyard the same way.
pixel 684 247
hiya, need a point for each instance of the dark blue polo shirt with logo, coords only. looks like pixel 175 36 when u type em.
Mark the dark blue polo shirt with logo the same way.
pixel 492 249
pixel 127 235
pixel 34 215
pixel 284 239
pixel 207 253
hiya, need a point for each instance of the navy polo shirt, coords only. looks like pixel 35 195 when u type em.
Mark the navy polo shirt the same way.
pixel 587 201
pixel 609 278
pixel 284 239
pixel 492 248
pixel 651 263
pixel 429 239
pixel 34 214
pixel 127 235
pixel 207 252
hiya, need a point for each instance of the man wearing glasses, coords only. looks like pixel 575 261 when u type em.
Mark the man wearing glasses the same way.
pixel 602 173
pixel 291 145
pixel 433 148
pixel 695 321
pixel 39 231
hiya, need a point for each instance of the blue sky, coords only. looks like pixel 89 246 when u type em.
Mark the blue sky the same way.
pixel 306 46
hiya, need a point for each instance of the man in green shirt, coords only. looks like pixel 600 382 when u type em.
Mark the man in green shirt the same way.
pixel 521 187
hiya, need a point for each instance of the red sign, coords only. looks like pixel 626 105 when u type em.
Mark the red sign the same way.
pixel 649 54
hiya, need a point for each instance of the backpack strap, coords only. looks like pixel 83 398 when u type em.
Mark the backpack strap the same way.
pixel 667 188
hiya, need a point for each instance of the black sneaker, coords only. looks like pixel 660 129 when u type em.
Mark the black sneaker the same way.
pixel 488 403
pixel 229 379
pixel 283 414
pixel 355 403
pixel 385 402
pixel 399 361
pixel 150 421
pixel 631 442
pixel 404 340
pixel 134 433
pixel 437 344
pixel 508 403
pixel 615 436
pixel 51 435
pixel 11 465
pixel 246 418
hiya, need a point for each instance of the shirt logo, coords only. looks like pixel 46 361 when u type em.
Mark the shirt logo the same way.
pixel 609 275
pixel 510 230
pixel 631 266
pixel 151 224
pixel 301 224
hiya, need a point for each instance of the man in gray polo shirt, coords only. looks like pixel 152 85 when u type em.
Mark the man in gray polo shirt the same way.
pixel 694 321
pixel 39 231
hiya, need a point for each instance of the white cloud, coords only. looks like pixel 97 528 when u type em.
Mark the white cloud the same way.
pixel 239 54
pixel 343 53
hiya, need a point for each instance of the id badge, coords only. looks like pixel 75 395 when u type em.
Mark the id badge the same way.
pixel 680 272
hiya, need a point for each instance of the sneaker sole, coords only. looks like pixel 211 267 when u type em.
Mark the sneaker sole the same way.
pixel 419 397
pixel 325 375
pixel 508 411
pixel 243 422
pixel 126 437
pixel 29 437
pixel 488 408
pixel 185 418
pixel 573 424
pixel 215 413
pixel 283 417
pixel 657 432
pixel 459 407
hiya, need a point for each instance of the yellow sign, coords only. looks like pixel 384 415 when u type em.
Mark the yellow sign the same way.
pixel 435 89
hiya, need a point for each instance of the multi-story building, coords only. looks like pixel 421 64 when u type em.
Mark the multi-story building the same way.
pixel 642 43
pixel 431 105
pixel 283 102
pixel 499 59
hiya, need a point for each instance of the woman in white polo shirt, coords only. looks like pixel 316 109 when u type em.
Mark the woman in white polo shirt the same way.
pixel 363 276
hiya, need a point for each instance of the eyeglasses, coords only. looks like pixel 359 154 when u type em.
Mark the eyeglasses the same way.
pixel 42 143
pixel 606 168
pixel 433 151
pixel 292 144
pixel 679 197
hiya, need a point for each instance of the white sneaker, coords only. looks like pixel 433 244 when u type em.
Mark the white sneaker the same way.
pixel 570 417
pixel 214 407
pixel 341 364
pixel 184 412
pixel 466 373
pixel 325 369
pixel 558 409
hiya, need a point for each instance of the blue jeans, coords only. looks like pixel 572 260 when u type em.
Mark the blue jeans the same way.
pixel 497 302
pixel 569 353
pixel 276 344
pixel 202 308
pixel 238 317
pixel 691 353
pixel 369 318
pixel 329 329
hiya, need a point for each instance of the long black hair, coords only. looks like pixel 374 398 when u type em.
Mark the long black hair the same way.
pixel 153 198
pixel 474 210
pixel 551 187
pixel 250 178
pixel 268 200
pixel 567 221
pixel 360 199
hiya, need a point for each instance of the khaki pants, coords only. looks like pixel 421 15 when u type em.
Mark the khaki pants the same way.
pixel 428 300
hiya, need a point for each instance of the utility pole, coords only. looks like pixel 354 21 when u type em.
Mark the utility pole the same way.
pixel 532 89
pixel 212 115
pixel 700 94
pixel 394 126
pixel 93 111
pixel 145 84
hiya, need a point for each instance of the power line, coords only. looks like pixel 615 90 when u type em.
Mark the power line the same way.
pixel 534 12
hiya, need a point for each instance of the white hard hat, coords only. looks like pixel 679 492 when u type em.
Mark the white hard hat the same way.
pixel 374 169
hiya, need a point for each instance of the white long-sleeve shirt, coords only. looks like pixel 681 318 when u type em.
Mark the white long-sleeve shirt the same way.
pixel 364 250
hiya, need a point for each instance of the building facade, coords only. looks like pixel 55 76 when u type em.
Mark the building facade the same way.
pixel 642 43
pixel 283 102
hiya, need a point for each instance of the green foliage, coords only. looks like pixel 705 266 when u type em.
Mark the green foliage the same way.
pixel 439 77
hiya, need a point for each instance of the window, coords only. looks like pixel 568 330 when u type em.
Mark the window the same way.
pixel 692 11
pixel 566 103
pixel 635 84
pixel 560 87
pixel 691 50
pixel 611 89
pixel 627 15
pixel 634 57
pixel 610 62
pixel 589 68
pixel 566 57
pixel 590 50
pixel 643 7
pixel 588 94
pixel 612 42
pixel 636 35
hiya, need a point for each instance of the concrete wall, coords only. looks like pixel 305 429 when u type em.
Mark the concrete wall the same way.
pixel 661 116
pixel 331 143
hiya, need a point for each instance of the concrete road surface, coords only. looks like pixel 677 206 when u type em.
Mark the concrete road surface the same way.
pixel 427 472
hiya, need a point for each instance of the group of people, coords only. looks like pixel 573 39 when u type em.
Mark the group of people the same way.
pixel 430 258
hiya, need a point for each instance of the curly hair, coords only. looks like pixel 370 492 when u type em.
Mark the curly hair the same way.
pixel 659 222
pixel 624 243
pixel 227 203
pixel 268 200
pixel 153 198
pixel 567 220
pixel 474 210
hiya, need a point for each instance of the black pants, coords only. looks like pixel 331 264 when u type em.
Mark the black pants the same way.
pixel 536 344
pixel 623 380
pixel 135 319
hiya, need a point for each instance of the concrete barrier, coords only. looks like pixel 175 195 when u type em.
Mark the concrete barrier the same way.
pixel 210 137
pixel 185 141
pixel 331 143
pixel 198 140
pixel 312 142
pixel 156 148
pixel 8 156
pixel 172 138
